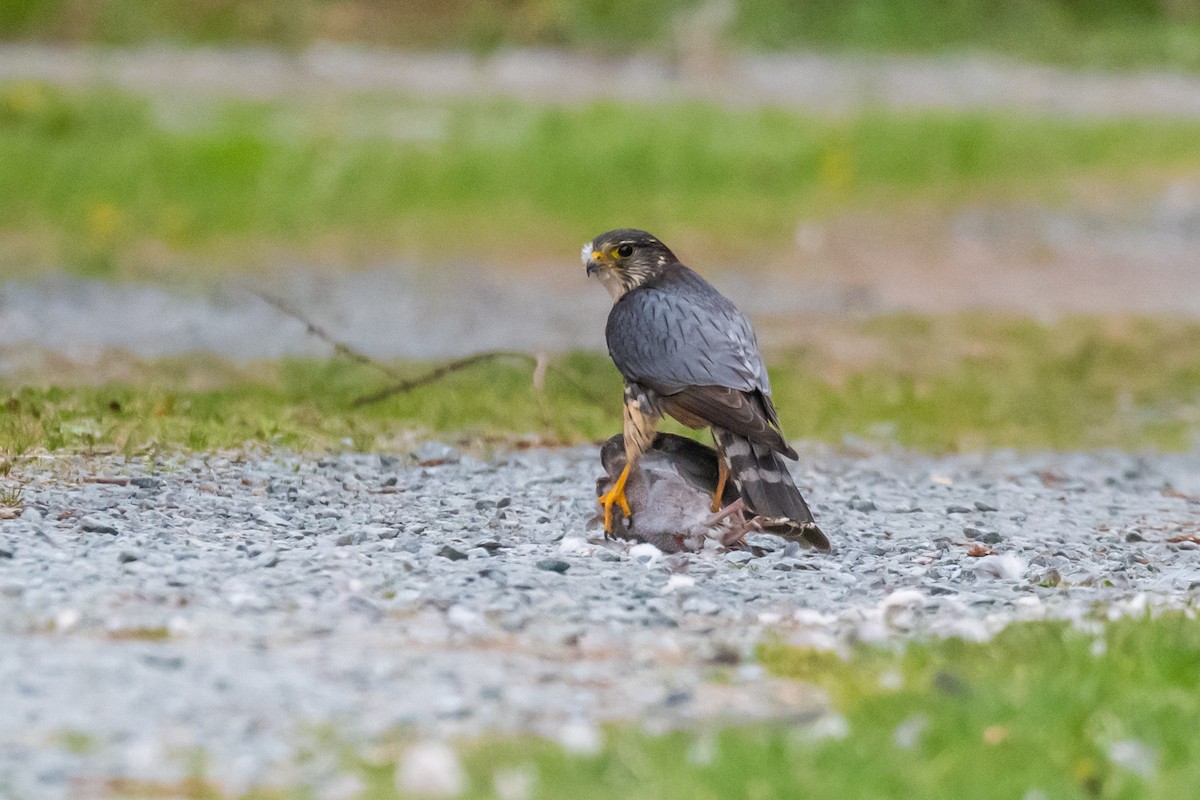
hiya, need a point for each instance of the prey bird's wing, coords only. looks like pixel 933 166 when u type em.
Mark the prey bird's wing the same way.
pixel 696 463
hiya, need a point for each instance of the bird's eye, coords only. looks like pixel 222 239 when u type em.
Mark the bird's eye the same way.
pixel 625 250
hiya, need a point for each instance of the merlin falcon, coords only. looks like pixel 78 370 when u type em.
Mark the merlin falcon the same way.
pixel 685 350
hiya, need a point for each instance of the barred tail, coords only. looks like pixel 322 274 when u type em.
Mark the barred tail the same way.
pixel 764 483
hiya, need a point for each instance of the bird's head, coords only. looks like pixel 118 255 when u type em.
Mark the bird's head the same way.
pixel 625 259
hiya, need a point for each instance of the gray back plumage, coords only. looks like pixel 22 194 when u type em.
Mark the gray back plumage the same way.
pixel 677 331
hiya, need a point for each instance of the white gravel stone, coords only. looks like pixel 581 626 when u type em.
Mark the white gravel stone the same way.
pixel 515 783
pixel 1135 756
pixel 580 737
pixel 430 769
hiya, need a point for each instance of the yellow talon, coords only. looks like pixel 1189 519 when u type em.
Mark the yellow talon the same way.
pixel 722 477
pixel 615 495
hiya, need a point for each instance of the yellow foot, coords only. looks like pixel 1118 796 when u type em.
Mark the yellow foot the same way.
pixel 615 496
pixel 722 477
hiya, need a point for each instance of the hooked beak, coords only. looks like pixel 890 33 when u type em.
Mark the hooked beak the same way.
pixel 593 260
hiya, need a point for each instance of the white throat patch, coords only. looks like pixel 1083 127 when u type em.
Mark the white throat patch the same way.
pixel 612 283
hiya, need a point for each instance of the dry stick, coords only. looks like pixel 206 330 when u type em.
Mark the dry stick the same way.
pixel 316 330
pixel 540 361
pixel 441 372
pixel 541 365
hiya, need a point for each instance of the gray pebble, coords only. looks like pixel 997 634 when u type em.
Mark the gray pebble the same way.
pixel 271 518
pixel 859 504
pixel 449 552
pixel 99 525
pixel 553 565
pixel 1050 577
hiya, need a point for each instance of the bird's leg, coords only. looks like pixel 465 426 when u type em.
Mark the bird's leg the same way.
pixel 737 534
pixel 615 496
pixel 723 475
pixel 736 508
pixel 735 512
pixel 639 424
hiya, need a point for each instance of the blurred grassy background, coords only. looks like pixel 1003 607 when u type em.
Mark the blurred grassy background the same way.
pixel 111 183
pixel 1108 33
pixel 163 185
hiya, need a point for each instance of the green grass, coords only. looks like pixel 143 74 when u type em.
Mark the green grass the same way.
pixel 109 183
pixel 942 384
pixel 1042 710
pixel 1038 708
pixel 1088 33
pixel 1108 33
pixel 304 405
pixel 1041 706
pixel 1101 712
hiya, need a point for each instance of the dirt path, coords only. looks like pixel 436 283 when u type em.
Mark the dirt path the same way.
pixel 1037 261
pixel 1109 249
pixel 831 84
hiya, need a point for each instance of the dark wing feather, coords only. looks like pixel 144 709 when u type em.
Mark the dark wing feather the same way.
pixel 681 332
pixel 747 414
pixel 696 463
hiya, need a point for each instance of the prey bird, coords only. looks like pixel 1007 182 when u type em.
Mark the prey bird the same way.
pixel 670 493
pixel 687 351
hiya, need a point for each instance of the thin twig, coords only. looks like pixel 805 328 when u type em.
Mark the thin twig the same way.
pixel 316 330
pixel 439 373
pixel 541 363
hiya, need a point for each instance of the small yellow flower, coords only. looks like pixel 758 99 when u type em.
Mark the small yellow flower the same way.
pixel 995 734
pixel 25 98
pixel 103 221
pixel 836 169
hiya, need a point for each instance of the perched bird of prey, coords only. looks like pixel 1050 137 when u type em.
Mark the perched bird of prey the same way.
pixel 671 492
pixel 686 350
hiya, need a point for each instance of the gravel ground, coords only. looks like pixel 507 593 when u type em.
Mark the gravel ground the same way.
pixel 239 609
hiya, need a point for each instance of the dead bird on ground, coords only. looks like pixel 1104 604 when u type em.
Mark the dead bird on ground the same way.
pixel 670 494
